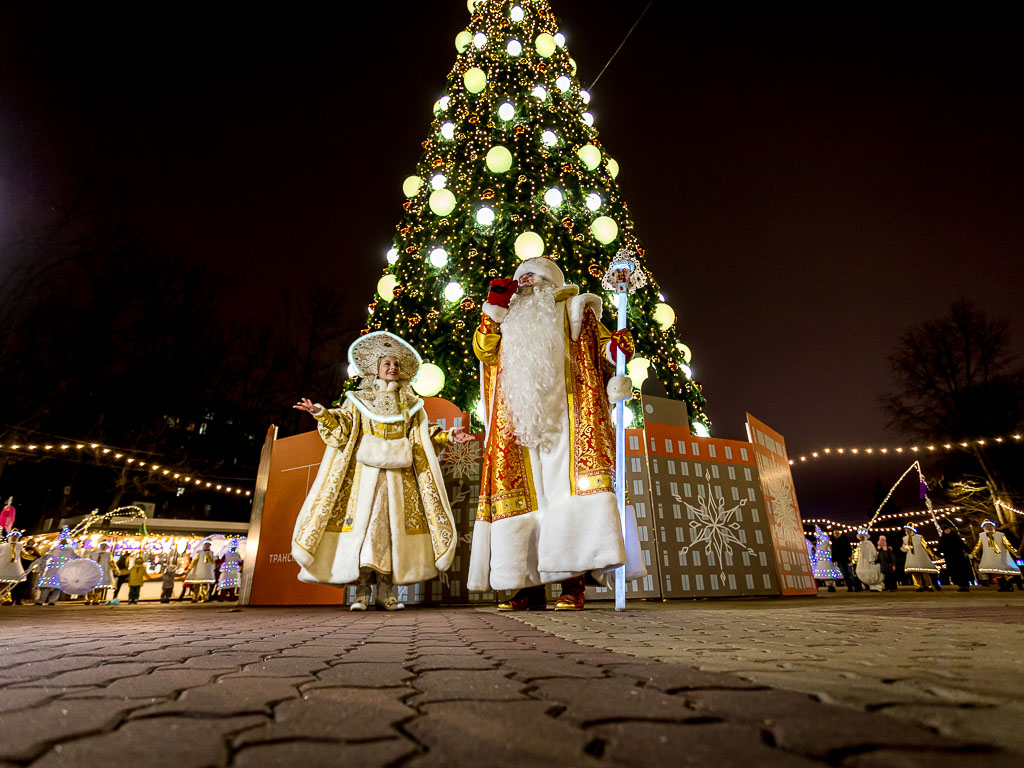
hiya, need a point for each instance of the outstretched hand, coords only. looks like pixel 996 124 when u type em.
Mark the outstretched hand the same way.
pixel 460 435
pixel 307 405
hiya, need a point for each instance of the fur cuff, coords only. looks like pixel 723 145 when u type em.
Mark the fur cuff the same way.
pixel 496 313
pixel 619 388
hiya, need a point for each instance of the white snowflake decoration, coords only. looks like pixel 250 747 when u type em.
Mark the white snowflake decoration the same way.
pixel 715 526
pixel 780 499
pixel 461 460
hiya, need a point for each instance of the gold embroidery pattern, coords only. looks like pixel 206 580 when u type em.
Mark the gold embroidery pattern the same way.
pixel 592 438
pixel 437 519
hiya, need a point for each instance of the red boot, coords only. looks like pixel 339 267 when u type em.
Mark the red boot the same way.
pixel 573 597
pixel 527 599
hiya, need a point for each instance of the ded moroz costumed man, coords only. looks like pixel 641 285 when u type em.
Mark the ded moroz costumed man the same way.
pixel 919 560
pixel 547 511
pixel 378 508
pixel 997 556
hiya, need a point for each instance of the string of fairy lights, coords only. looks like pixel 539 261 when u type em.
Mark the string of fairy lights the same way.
pixel 942 513
pixel 900 450
pixel 128 459
pixel 513 168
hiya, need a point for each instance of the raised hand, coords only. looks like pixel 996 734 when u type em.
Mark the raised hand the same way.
pixel 307 405
pixel 501 290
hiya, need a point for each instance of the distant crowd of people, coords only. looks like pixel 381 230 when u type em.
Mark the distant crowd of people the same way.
pixel 30 577
pixel 877 566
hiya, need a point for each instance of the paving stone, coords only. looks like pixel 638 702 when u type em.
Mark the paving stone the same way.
pixel 223 660
pixel 27 732
pixel 671 677
pixel 13 699
pixel 162 742
pixel 462 684
pixel 160 683
pixel 33 671
pixel 379 652
pixel 239 695
pixel 674 744
pixel 485 733
pixel 288 667
pixel 92 676
pixel 552 666
pixel 587 701
pixel 335 713
pixel 924 758
pixel 800 724
pixel 362 675
pixel 319 755
pixel 177 653
pixel 425 663
pixel 438 650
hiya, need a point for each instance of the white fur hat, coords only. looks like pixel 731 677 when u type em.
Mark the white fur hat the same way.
pixel 544 267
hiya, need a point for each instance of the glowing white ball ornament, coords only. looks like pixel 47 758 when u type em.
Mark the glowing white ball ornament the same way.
pixel 545 44
pixel 392 255
pixel 485 216
pixel 411 186
pixel 588 118
pixel 684 350
pixel 585 95
pixel 529 245
pixel 638 369
pixel 448 131
pixel 559 39
pixel 437 181
pixel 442 202
pixel 439 257
pixel 514 48
pixel 687 371
pixel 699 429
pixel 590 156
pixel 506 111
pixel 516 14
pixel 604 229
pixel 663 315
pixel 539 93
pixel 627 420
pixel 472 4
pixel 479 40
pixel 549 138
pixel 613 167
pixel 386 288
pixel 594 201
pixel 437 106
pixel 453 292
pixel 563 83
pixel 498 159
pixel 430 380
pixel 445 101
pixel 553 197
pixel 462 41
pixel 475 80
pixel 572 64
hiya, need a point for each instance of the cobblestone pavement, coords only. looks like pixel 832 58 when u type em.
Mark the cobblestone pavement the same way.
pixel 949 661
pixel 186 686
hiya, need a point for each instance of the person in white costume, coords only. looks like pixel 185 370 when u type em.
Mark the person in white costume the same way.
pixel 56 558
pixel 11 572
pixel 230 573
pixel 200 576
pixel 997 556
pixel 919 562
pixel 101 556
pixel 865 557
pixel 378 509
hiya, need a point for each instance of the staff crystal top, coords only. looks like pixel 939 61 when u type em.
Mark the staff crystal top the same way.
pixel 624 274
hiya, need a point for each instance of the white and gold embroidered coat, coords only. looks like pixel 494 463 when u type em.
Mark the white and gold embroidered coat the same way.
pixel 334 521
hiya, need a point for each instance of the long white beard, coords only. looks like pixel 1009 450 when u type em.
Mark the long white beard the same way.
pixel 532 361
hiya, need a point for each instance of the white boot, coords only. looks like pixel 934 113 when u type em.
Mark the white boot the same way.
pixel 386 593
pixel 362 598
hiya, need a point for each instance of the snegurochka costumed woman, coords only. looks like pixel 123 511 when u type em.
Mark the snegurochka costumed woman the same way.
pixel 378 508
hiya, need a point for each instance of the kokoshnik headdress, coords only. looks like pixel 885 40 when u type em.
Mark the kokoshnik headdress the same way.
pixel 366 352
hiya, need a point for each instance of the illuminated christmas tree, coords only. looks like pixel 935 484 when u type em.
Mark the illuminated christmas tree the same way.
pixel 513 168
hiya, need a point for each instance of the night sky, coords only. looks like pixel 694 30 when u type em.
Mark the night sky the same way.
pixel 808 179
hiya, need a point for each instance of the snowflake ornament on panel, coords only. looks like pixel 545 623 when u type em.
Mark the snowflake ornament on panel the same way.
pixel 461 460
pixel 715 527
pixel 779 490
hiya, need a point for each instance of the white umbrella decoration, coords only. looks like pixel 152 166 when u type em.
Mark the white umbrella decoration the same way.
pixel 79 577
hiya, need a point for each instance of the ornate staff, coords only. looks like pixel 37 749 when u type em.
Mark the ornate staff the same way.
pixel 623 278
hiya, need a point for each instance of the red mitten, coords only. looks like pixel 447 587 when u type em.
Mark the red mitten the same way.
pixel 501 290
pixel 621 340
